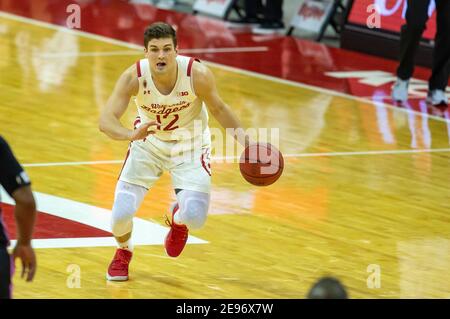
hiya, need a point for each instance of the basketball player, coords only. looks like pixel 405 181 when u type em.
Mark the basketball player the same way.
pixel 169 91
pixel 416 19
pixel 16 182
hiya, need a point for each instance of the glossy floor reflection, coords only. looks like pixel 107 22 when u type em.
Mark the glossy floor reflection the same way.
pixel 365 187
pixel 288 58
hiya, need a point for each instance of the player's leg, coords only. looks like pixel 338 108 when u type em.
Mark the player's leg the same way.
pixel 140 171
pixel 128 197
pixel 5 274
pixel 441 55
pixel 189 212
pixel 192 182
pixel 192 208
pixel 411 32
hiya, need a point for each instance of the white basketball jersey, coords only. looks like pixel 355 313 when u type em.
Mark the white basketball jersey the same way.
pixel 180 114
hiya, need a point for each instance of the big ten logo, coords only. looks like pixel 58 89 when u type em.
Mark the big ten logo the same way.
pixel 74 278
pixel 374 19
pixel 183 93
pixel 374 279
pixel 73 21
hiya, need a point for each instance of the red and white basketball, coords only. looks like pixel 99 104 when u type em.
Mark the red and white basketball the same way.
pixel 261 164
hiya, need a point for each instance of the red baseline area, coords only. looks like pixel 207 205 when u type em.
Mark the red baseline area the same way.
pixel 287 58
pixel 50 226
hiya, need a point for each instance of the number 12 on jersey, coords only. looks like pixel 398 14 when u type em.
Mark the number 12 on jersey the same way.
pixel 169 127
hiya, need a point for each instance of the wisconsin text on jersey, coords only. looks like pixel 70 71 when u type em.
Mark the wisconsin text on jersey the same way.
pixel 166 109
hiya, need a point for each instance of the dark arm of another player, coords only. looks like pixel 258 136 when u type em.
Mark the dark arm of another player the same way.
pixel 25 214
pixel 16 183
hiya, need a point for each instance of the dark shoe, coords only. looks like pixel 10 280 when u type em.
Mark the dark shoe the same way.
pixel 246 20
pixel 269 27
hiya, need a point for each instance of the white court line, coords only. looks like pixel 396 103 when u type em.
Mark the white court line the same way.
pixel 225 50
pixel 384 152
pixel 72 163
pixel 144 232
pixel 89 54
pixel 126 53
pixel 410 97
pixel 229 68
pixel 228 158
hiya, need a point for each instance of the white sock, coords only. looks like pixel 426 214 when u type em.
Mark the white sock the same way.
pixel 176 218
pixel 128 245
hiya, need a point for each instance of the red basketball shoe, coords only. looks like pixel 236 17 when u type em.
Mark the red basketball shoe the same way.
pixel 118 269
pixel 177 236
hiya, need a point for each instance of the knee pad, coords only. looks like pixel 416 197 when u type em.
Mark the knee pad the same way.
pixel 195 213
pixel 127 200
pixel 193 208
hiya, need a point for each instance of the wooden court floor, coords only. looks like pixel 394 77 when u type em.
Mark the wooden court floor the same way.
pixel 364 196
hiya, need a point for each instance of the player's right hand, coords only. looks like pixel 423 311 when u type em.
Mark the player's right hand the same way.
pixel 143 131
pixel 26 255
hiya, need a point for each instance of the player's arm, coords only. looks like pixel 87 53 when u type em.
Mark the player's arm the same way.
pixel 109 122
pixel 15 181
pixel 206 90
pixel 25 215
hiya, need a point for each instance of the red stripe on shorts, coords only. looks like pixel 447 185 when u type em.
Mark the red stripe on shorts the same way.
pixel 205 166
pixel 126 158
pixel 137 121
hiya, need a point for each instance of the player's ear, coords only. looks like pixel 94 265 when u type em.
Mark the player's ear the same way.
pixel 146 52
pixel 176 49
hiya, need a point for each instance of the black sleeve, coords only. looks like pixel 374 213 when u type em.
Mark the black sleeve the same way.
pixel 12 175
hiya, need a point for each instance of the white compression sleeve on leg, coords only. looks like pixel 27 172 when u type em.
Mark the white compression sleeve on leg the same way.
pixel 128 198
pixel 193 208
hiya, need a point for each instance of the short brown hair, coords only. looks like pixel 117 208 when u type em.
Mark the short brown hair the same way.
pixel 160 30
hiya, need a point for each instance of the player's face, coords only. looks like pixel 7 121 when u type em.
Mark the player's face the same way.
pixel 161 54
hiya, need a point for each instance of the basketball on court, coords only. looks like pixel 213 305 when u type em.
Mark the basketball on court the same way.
pixel 261 164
